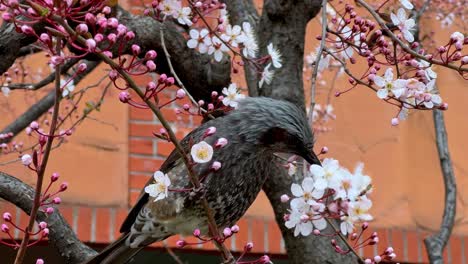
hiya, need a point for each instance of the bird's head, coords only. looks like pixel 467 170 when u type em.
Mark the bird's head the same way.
pixel 276 125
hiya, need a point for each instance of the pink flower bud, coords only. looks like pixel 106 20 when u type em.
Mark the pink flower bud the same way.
pixel 377 259
pixel 443 106
pixel 210 131
pixel 216 165
pixel 90 18
pixel 39 261
pixel 214 94
pixel 365 225
pixel 129 36
pixel 151 65
pixel 221 142
pixel 27 30
pixel 201 103
pixel 395 121
pixel 305 218
pixel 42 225
pixel 7 217
pixel 45 232
pixel 248 247
pixel 180 243
pixel 170 81
pixel 265 259
pixel 28 131
pixel 324 150
pixel 186 107
pixel 196 232
pixel 49 210
pixel 210 107
pixel 180 94
pixel 63 186
pixel 316 232
pixel 108 54
pixel 354 236
pixel 235 228
pixel 98 37
pixel 5 228
pixel 113 75
pixel 54 177
pixel 284 198
pixel 151 86
pixel 82 67
pixel 227 232
pixel 151 55
pixel 56 200
pixel 56 60
pixel 82 29
pixel 392 255
pixel 44 38
pixel 389 251
pixel 91 44
pixel 121 30
pixel 34 125
pixel 368 261
pixel 26 159
pixel 7 17
pixel 106 10
pixel 124 97
pixel 136 49
pixel 112 22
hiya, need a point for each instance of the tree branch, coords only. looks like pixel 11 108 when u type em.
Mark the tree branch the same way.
pixel 436 243
pixel 61 235
pixel 283 23
pixel 39 108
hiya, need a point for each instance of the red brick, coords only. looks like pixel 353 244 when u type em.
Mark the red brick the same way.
pixel 258 235
pixel 171 241
pixel 384 242
pixel 274 237
pixel 397 243
pixel 120 215
pixel 141 114
pixel 102 225
pixel 144 130
pixel 139 181
pixel 67 213
pixel 414 244
pixel 242 237
pixel 144 164
pixel 141 146
pixel 84 223
pixel 456 248
pixel 134 195
pixel 164 148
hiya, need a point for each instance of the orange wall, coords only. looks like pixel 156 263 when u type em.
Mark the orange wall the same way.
pixel 105 171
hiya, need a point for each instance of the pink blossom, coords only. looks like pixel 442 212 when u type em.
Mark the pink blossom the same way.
pixel 221 142
pixel 235 228
pixel 180 243
pixel 82 28
pixel 180 94
pixel 49 210
pixel 284 198
pixel 39 261
pixel 151 65
pixel 55 176
pixel 216 165
pixel 227 232
pixel 151 55
pixel 196 232
pixel 63 186
pixel 42 225
pixel 26 159
pixel 5 228
pixel 7 217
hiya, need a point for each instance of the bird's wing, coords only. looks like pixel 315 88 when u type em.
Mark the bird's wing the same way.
pixel 171 162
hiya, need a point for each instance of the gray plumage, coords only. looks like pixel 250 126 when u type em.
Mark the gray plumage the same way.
pixel 257 129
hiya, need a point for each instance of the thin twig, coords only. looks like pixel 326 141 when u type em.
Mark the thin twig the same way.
pixel 313 85
pixel 403 45
pixel 42 164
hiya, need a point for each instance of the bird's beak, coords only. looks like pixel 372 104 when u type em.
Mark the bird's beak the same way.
pixel 312 158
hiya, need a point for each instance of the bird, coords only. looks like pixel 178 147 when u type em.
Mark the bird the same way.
pixel 256 130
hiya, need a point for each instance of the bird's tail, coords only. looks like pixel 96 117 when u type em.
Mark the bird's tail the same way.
pixel 116 253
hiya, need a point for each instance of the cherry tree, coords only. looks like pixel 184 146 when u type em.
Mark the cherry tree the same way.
pixel 325 211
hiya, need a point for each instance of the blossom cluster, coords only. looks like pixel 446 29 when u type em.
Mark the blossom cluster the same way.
pixel 224 38
pixel 401 72
pixel 329 191
pixel 200 153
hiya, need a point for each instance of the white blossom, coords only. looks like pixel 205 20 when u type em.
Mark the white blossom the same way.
pixel 407 4
pixel 217 49
pixel 267 76
pixel 248 40
pixel 388 85
pixel 6 91
pixel 201 152
pixel 275 56
pixel 199 39
pixel 68 88
pixel 231 95
pixel 159 188
pixel 403 23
